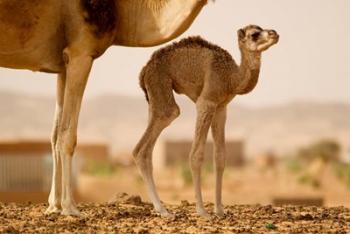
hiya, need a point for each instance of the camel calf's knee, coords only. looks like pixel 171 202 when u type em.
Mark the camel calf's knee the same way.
pixel 165 116
pixel 171 115
pixel 220 161
pixel 196 159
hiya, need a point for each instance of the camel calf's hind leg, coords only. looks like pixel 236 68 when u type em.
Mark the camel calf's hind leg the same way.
pixel 56 186
pixel 163 110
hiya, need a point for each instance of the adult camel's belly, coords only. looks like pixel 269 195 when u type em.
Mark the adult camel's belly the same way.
pixel 30 35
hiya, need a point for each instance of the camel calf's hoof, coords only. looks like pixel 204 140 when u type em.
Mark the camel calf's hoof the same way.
pixel 72 211
pixel 166 214
pixel 52 209
pixel 202 213
pixel 219 211
pixel 220 214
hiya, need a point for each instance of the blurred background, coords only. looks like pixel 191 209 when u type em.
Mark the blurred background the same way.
pixel 288 142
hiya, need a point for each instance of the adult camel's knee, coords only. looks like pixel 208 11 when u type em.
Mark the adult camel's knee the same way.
pixel 66 142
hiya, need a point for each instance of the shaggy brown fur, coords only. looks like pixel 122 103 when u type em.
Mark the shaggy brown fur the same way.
pixel 191 42
pixel 222 56
pixel 101 14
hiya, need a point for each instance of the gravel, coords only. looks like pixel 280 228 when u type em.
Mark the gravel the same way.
pixel 129 214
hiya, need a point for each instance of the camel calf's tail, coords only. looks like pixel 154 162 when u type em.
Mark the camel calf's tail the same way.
pixel 142 82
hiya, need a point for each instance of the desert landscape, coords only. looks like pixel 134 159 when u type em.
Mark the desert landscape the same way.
pixel 128 214
pixel 74 76
pixel 274 169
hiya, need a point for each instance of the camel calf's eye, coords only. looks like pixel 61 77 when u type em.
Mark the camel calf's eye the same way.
pixel 255 36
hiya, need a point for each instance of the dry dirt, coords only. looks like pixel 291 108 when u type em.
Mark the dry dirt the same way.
pixel 128 214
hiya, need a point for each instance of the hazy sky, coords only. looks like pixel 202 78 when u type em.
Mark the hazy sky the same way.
pixel 311 62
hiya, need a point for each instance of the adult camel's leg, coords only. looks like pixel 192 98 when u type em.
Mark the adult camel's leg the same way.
pixel 205 113
pixel 218 132
pixel 77 72
pixel 56 186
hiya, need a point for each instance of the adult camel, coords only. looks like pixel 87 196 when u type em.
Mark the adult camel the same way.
pixel 64 37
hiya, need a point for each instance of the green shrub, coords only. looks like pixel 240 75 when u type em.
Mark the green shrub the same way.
pixel 96 168
pixel 328 150
pixel 186 175
pixel 294 166
pixel 342 171
pixel 309 180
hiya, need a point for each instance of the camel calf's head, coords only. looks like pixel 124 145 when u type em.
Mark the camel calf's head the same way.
pixel 253 38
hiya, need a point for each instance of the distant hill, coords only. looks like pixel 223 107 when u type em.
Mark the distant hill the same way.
pixel 121 120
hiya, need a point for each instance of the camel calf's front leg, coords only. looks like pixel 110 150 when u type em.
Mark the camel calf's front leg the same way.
pixel 205 113
pixel 77 70
pixel 218 132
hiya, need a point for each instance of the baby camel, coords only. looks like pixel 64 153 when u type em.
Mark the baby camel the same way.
pixel 209 76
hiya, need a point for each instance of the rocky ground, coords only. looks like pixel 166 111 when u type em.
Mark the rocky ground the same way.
pixel 128 214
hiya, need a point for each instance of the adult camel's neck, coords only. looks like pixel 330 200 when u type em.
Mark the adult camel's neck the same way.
pixel 145 23
pixel 248 71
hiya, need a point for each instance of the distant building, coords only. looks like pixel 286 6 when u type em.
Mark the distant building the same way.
pixel 26 168
pixel 174 152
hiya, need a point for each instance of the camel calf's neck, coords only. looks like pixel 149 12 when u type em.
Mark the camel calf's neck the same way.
pixel 209 76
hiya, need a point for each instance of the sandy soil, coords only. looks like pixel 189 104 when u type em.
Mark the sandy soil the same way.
pixel 128 214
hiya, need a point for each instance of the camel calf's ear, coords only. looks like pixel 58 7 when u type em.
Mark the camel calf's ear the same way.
pixel 241 34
